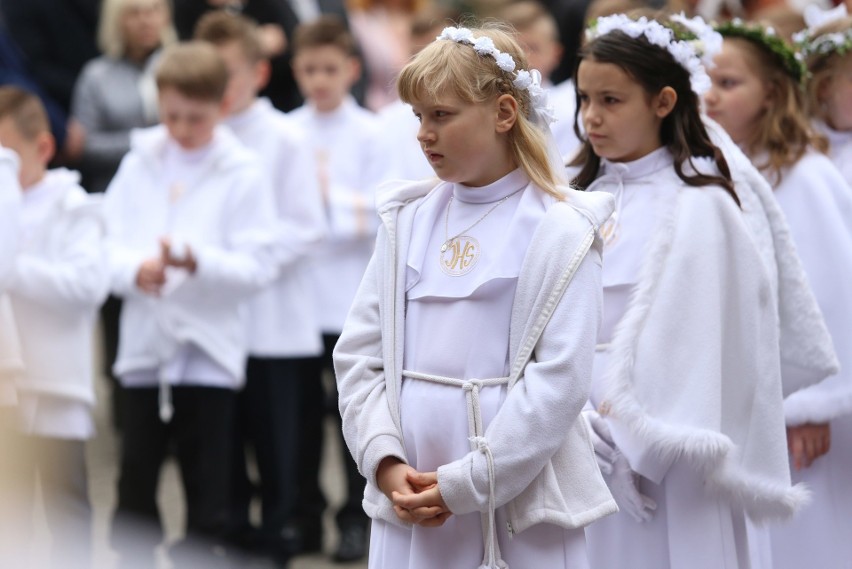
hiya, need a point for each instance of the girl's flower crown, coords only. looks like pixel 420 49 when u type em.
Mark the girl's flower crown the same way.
pixel 523 79
pixel 691 43
pixel 768 39
pixel 808 43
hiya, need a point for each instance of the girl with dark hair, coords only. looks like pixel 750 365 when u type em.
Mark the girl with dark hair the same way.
pixel 758 97
pixel 686 404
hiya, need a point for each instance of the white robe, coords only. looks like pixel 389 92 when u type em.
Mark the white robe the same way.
pixel 840 150
pixel 458 326
pixel 346 146
pixel 563 99
pixel 700 521
pixel 818 207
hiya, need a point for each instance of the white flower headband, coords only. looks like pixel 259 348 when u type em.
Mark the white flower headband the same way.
pixel 529 81
pixel 689 54
pixel 810 44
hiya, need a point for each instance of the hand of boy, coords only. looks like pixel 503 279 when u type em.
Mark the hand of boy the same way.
pixel 151 276
pixel 808 442
pixel 181 257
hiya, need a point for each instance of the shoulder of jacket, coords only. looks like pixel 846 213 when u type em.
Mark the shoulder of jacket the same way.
pixel 595 207
pixel 393 194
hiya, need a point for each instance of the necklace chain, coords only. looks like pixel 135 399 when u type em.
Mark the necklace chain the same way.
pixel 448 240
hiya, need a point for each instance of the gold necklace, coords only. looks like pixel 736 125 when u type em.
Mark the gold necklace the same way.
pixel 460 253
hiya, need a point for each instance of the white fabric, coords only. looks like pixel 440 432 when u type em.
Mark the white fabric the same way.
pixel 691 381
pixel 818 206
pixel 347 156
pixel 840 149
pixel 688 527
pixel 226 217
pixel 807 355
pixel 10 203
pixel 281 320
pixel 59 280
pixel 473 342
pixel 563 98
pixel 403 156
pixel 552 477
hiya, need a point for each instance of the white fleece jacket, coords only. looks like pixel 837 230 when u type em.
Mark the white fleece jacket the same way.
pixel 226 218
pixel 545 470
pixel 59 280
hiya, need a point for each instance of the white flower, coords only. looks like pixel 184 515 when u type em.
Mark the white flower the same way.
pixel 816 17
pixel 485 46
pixel 523 79
pixel 505 62
pixel 459 35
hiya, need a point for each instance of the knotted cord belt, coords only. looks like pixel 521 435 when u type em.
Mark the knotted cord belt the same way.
pixel 492 558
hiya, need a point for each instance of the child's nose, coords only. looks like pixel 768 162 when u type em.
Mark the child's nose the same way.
pixel 425 133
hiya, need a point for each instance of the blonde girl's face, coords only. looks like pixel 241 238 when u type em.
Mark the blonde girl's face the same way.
pixel 462 141
pixel 837 96
pixel 738 97
pixel 620 118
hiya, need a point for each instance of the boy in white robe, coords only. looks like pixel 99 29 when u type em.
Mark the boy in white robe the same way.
pixel 190 236
pixel 282 327
pixel 58 280
pixel 345 141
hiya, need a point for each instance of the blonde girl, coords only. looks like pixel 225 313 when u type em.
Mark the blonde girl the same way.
pixel 758 97
pixel 686 391
pixel 466 358
pixel 827 50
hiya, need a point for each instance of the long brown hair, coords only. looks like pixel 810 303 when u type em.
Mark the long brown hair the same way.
pixel 682 131
pixel 784 131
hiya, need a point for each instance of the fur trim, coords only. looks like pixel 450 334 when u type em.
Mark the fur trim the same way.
pixel 817 405
pixel 708 452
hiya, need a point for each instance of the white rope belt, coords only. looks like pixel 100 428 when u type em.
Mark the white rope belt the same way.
pixel 492 558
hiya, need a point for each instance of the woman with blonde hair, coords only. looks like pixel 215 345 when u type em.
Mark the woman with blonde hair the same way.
pixel 116 92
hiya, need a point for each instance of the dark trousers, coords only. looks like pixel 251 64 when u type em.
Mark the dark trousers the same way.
pixel 60 467
pixel 199 434
pixel 267 424
pixel 313 405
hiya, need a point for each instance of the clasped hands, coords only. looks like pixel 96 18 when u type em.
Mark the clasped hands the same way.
pixel 151 276
pixel 415 495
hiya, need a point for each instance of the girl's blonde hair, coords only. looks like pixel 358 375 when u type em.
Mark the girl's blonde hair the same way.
pixel 451 68
pixel 822 66
pixel 784 131
pixel 110 37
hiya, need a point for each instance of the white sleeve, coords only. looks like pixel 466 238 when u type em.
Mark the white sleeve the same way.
pixel 123 261
pixel 246 262
pixel 80 277
pixel 301 221
pixel 368 425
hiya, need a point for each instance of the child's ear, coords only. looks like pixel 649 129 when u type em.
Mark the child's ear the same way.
pixel 45 147
pixel 262 73
pixel 507 112
pixel 354 70
pixel 665 102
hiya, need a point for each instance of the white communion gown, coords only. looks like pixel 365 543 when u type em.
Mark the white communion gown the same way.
pixel 458 327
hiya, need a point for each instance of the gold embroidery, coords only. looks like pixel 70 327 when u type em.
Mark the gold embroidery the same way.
pixel 461 256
